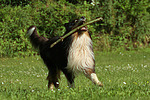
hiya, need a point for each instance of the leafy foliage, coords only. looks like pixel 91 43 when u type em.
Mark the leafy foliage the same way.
pixel 126 23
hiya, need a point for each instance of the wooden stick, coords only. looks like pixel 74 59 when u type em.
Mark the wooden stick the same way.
pixel 77 28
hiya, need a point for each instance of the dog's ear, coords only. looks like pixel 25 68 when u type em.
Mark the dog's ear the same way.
pixel 66 25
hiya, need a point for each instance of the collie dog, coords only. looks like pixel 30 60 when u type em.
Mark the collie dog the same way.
pixel 72 55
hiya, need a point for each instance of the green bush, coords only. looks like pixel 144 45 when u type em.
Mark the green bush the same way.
pixel 15 21
pixel 126 23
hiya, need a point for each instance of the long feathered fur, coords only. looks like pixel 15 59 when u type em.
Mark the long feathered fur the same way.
pixel 81 56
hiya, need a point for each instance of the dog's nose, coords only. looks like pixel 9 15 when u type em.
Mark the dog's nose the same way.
pixel 83 18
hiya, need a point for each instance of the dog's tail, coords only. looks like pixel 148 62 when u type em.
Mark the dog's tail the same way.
pixel 35 39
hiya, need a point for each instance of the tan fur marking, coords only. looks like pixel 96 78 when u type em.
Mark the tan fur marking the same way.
pixel 51 86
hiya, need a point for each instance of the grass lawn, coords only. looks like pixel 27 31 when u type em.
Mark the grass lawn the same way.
pixel 125 75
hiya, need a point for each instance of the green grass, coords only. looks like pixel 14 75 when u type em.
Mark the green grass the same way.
pixel 125 75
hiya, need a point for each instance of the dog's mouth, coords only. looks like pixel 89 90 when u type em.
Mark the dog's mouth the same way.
pixel 84 28
pixel 79 22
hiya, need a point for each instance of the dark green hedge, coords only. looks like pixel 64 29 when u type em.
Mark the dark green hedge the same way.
pixel 126 23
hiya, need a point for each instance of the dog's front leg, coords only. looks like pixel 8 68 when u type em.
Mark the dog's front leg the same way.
pixel 90 73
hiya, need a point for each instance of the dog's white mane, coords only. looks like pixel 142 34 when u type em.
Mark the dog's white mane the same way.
pixel 81 55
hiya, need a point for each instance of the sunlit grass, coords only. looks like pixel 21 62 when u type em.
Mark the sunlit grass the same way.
pixel 125 75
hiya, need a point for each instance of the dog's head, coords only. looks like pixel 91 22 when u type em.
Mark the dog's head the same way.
pixel 75 23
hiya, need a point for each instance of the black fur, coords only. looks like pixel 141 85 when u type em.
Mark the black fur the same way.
pixel 55 58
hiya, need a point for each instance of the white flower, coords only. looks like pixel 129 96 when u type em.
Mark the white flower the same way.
pixel 38 75
pixel 145 66
pixel 57 82
pixel 124 83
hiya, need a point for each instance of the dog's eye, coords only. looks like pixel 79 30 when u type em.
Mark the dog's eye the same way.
pixel 75 20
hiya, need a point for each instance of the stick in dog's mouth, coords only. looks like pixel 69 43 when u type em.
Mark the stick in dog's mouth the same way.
pixel 75 29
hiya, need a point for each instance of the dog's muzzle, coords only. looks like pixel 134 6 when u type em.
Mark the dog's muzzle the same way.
pixel 80 22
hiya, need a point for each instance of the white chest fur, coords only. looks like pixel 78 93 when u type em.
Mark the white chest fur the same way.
pixel 81 55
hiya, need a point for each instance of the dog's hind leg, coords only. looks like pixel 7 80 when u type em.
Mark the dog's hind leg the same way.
pixel 89 73
pixel 50 83
pixel 70 77
pixel 52 78
pixel 55 78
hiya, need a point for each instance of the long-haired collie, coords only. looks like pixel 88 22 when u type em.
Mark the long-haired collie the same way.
pixel 72 55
